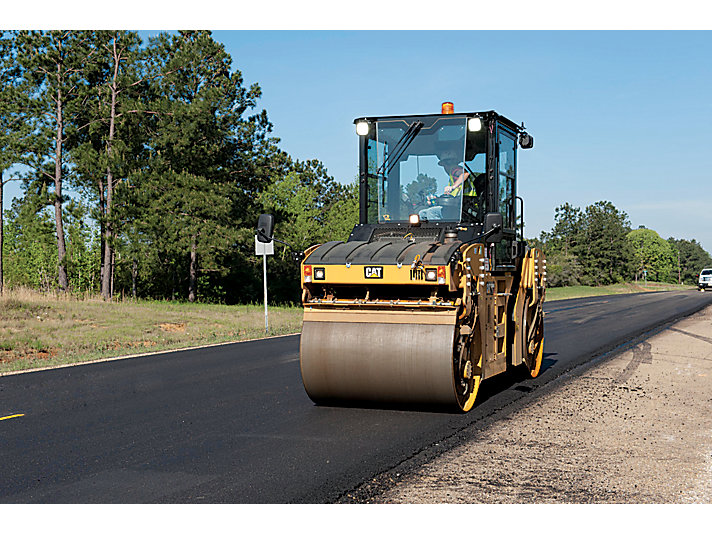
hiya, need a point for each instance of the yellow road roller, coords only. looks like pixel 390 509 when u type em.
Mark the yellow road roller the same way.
pixel 435 289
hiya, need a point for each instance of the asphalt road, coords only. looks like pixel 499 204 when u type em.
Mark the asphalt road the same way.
pixel 233 424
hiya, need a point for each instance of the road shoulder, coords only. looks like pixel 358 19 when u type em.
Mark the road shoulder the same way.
pixel 634 428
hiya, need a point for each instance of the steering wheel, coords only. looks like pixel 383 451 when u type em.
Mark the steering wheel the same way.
pixel 446 200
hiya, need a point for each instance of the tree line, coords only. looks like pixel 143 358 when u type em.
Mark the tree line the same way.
pixel 596 246
pixel 144 167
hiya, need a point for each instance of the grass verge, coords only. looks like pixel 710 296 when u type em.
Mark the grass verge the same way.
pixel 38 330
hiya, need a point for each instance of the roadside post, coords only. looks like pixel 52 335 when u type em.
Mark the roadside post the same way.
pixel 264 246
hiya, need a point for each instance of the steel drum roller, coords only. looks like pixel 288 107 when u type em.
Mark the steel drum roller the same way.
pixel 378 362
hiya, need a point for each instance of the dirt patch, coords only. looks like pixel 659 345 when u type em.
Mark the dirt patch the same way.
pixel 635 429
pixel 172 327
pixel 26 353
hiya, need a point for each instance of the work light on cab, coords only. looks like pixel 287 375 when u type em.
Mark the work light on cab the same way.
pixel 474 124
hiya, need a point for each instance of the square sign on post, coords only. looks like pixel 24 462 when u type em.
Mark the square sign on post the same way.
pixel 264 249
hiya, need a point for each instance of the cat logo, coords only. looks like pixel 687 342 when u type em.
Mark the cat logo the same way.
pixel 373 272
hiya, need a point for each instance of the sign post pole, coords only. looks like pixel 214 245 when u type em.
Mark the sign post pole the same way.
pixel 264 249
pixel 264 275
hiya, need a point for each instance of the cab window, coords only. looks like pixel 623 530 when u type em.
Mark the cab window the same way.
pixel 506 174
pixel 474 200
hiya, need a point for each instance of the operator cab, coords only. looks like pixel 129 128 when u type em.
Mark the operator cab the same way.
pixel 439 172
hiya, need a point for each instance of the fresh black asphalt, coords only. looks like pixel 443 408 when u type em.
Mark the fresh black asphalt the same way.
pixel 232 423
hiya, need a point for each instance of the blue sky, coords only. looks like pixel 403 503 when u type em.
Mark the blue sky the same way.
pixel 618 116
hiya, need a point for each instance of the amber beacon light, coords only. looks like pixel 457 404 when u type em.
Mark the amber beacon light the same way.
pixel 448 108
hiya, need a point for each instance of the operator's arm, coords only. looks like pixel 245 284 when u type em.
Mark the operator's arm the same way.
pixel 461 176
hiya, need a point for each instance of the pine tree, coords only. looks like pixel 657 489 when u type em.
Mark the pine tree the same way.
pixel 109 132
pixel 201 152
pixel 53 65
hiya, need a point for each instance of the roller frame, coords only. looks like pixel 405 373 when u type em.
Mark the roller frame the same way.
pixel 364 351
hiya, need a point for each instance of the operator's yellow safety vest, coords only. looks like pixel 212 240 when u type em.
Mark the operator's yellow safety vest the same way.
pixel 469 184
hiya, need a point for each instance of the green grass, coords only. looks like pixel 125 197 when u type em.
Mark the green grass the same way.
pixel 38 330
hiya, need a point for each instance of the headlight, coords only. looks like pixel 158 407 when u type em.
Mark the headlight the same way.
pixel 431 275
pixel 474 124
pixel 319 273
pixel 362 128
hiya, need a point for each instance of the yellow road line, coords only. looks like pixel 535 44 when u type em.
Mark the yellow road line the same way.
pixel 11 416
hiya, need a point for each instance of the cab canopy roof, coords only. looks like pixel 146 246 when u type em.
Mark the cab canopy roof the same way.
pixel 481 114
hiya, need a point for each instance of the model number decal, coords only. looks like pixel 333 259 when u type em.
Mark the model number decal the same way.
pixel 373 272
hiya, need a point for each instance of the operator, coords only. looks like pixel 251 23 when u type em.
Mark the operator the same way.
pixel 450 162
pixel 459 179
pixel 462 182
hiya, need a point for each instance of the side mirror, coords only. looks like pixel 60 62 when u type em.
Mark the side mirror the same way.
pixel 493 227
pixel 265 228
pixel 526 141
